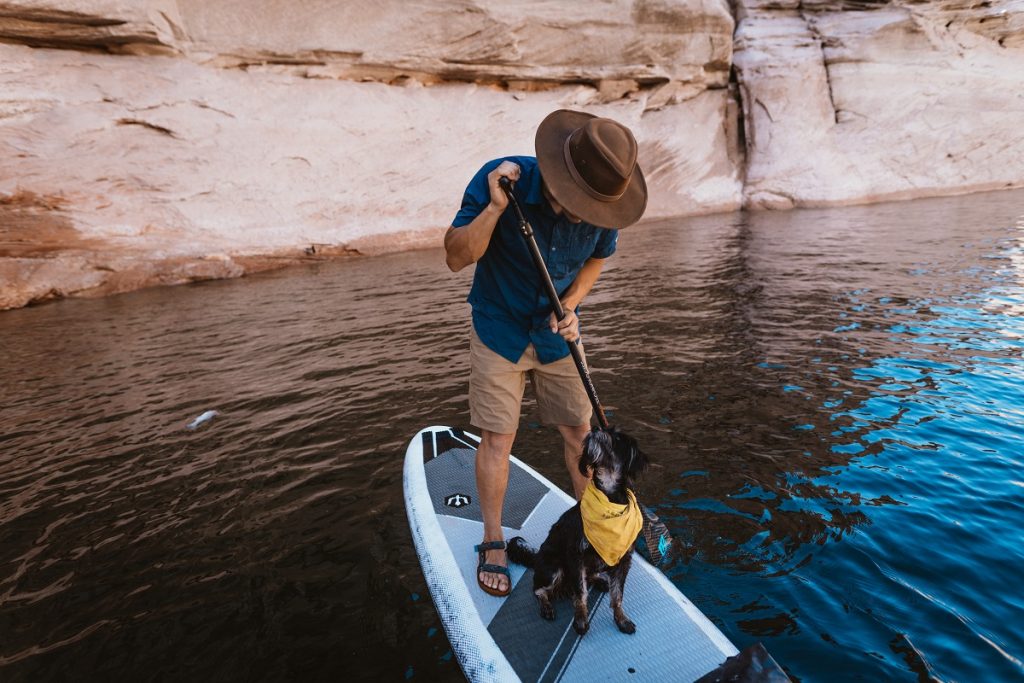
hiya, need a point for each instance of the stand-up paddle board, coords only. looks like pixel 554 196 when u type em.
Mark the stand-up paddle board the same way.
pixel 505 639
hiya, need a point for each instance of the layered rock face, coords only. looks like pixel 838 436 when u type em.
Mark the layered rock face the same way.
pixel 159 141
pixel 887 101
pixel 179 140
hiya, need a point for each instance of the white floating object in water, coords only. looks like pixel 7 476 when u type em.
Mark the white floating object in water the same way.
pixel 205 417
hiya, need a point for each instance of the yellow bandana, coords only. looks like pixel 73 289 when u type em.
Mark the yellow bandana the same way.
pixel 611 529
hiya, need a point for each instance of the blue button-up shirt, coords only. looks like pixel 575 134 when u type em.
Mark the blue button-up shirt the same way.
pixel 510 308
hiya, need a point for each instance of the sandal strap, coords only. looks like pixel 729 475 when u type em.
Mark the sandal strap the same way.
pixel 490 545
pixel 493 569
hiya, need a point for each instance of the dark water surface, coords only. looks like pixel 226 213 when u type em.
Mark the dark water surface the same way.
pixel 834 399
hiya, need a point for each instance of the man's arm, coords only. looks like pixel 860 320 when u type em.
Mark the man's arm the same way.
pixel 569 327
pixel 466 244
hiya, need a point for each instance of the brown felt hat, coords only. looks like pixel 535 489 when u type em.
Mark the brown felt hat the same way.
pixel 589 165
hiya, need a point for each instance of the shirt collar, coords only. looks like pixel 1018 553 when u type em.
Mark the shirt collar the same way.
pixel 535 196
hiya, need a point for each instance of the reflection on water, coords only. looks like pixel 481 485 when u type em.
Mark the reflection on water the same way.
pixel 833 399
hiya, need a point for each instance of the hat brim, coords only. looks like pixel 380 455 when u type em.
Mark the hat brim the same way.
pixel 550 141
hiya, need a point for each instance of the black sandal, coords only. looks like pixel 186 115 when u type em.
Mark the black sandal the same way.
pixel 492 568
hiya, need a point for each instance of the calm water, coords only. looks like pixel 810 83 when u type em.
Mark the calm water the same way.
pixel 834 399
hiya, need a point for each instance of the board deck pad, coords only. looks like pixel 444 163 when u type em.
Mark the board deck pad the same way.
pixel 452 483
pixel 502 639
pixel 541 656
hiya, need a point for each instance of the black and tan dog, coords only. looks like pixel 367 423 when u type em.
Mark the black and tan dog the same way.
pixel 592 542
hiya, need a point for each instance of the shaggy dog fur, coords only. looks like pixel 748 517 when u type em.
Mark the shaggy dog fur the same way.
pixel 566 563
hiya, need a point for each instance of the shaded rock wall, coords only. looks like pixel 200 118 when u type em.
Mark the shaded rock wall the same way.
pixel 157 141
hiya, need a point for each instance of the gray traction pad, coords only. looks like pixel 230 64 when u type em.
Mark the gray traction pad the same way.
pixel 454 473
pixel 536 648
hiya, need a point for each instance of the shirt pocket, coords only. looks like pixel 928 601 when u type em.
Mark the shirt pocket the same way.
pixel 558 265
pixel 581 247
pixel 557 256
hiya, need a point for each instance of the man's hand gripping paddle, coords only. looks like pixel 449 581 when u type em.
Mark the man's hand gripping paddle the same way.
pixel 657 540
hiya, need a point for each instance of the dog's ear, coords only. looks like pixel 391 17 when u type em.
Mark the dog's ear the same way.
pixel 636 460
pixel 640 462
pixel 584 466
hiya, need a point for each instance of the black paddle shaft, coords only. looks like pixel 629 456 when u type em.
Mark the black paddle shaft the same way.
pixel 556 302
pixel 655 533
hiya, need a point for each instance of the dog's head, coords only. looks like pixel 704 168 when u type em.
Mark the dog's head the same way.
pixel 613 457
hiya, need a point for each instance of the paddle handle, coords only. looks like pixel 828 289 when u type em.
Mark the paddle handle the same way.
pixel 556 303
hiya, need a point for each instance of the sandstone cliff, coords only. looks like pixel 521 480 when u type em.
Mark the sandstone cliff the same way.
pixel 158 141
pixel 884 101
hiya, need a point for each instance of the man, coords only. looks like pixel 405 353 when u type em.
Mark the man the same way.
pixel 583 184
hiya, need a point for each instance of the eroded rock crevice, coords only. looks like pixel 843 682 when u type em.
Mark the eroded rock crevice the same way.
pixel 736 129
pixel 48 27
pixel 824 60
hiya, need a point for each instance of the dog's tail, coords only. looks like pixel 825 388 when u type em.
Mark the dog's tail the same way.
pixel 520 553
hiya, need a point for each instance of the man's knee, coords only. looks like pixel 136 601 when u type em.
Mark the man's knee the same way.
pixel 496 445
pixel 574 434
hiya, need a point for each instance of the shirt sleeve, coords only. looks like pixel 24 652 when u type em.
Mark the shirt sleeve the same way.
pixel 476 197
pixel 606 243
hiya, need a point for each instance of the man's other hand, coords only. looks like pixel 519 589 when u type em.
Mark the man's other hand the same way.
pixel 569 327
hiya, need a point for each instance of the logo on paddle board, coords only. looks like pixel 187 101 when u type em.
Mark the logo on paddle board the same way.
pixel 457 500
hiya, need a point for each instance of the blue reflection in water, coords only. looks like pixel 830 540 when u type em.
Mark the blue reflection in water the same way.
pixel 929 506
pixel 945 423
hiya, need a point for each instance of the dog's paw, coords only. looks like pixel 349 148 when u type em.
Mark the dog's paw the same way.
pixel 580 626
pixel 548 612
pixel 626 626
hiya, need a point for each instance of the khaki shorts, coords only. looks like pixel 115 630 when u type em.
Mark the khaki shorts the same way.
pixel 496 389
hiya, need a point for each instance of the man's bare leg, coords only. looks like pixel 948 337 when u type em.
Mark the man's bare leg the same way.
pixel 573 438
pixel 491 482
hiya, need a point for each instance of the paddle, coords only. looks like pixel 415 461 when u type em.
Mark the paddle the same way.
pixel 657 538
pixel 556 302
